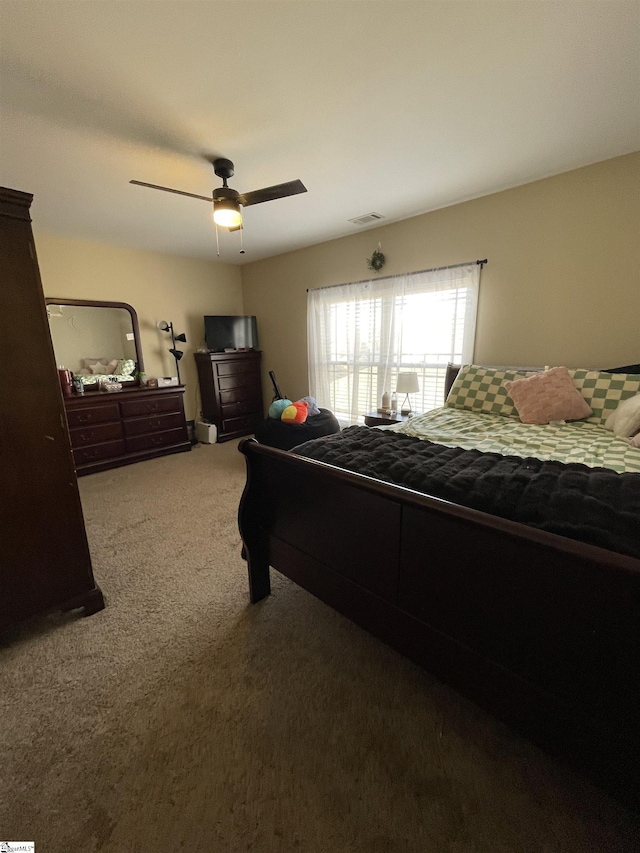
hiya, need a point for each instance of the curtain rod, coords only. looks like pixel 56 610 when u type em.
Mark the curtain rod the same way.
pixel 416 272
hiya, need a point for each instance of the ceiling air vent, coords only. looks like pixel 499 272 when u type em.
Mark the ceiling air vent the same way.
pixel 367 218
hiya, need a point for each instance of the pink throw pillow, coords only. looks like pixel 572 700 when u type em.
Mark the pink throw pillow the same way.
pixel 548 396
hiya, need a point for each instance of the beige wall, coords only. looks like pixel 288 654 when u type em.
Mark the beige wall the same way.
pixel 159 287
pixel 562 285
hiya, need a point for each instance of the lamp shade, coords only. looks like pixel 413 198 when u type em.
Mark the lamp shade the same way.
pixel 407 383
pixel 226 212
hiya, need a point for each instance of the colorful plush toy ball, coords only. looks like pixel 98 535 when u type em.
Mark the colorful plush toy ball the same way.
pixel 313 405
pixel 277 408
pixel 296 413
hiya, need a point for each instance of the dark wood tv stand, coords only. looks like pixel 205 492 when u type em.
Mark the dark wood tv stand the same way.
pixel 231 391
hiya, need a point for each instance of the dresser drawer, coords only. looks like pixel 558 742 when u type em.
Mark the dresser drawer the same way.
pixel 232 368
pixel 237 395
pixel 243 407
pixel 242 425
pixel 137 443
pixel 154 405
pixel 238 380
pixel 107 450
pixel 93 415
pixel 91 434
pixel 154 423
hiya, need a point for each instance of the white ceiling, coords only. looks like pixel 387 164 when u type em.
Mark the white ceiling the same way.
pixel 376 105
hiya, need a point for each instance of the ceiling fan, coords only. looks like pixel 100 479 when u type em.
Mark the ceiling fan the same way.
pixel 227 201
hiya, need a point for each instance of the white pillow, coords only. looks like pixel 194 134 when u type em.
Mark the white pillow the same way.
pixel 101 369
pixel 625 418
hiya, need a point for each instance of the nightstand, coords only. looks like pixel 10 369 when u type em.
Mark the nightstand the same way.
pixel 380 419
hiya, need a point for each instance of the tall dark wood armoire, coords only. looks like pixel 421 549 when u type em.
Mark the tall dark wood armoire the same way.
pixel 44 555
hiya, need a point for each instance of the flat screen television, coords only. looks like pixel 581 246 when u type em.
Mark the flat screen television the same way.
pixel 230 333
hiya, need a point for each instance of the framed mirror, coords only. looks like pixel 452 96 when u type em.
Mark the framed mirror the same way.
pixel 96 339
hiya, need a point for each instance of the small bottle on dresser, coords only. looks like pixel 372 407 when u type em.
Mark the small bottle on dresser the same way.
pixel 65 380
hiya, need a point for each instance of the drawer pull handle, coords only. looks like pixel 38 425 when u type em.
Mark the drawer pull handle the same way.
pixel 156 439
pixel 85 417
pixel 155 424
pixel 86 436
pixel 152 407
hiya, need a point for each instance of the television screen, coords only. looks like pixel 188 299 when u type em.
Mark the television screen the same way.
pixel 230 333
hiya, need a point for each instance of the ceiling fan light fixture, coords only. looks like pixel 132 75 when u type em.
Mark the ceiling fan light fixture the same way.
pixel 227 202
pixel 226 213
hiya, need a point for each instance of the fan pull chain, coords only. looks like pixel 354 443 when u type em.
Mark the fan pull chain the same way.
pixel 217 241
pixel 241 243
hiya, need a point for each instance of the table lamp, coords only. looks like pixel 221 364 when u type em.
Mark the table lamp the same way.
pixel 407 384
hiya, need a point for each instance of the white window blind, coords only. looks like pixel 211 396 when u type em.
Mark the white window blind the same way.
pixel 360 336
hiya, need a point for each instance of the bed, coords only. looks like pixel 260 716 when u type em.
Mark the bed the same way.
pixel 535 617
pixel 94 372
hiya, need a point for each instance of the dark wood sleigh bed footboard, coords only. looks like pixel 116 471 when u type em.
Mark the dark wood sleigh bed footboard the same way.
pixel 542 630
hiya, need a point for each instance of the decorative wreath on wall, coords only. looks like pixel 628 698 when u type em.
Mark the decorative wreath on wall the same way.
pixel 376 261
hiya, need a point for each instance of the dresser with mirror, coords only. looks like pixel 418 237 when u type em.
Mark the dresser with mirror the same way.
pixel 113 420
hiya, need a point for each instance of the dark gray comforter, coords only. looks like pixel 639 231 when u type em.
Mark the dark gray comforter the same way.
pixel 594 505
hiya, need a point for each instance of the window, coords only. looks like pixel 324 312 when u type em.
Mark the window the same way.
pixel 360 336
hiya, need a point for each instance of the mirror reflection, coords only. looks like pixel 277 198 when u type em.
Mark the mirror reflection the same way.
pixel 95 341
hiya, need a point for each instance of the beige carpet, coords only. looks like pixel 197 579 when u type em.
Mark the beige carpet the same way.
pixel 183 718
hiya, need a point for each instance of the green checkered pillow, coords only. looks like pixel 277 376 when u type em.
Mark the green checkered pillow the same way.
pixel 603 391
pixel 481 389
pixel 125 367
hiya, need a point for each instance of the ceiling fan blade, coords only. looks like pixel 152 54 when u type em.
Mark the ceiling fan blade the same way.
pixel 271 193
pixel 169 190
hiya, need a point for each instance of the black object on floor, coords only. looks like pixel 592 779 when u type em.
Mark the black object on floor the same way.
pixel 276 433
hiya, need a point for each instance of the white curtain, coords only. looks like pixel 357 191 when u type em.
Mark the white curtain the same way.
pixel 360 336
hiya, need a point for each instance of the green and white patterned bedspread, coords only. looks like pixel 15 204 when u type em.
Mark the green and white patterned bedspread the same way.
pixel 578 441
